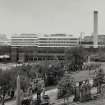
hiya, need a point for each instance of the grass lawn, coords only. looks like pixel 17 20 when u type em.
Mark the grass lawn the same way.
pixel 50 87
pixel 84 75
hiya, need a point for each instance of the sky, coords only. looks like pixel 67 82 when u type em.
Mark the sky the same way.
pixel 50 16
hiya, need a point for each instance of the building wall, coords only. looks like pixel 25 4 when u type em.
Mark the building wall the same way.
pixel 24 40
pixel 41 46
pixel 88 41
pixel 34 47
pixel 58 40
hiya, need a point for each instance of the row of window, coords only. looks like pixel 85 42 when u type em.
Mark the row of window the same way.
pixel 41 43
pixel 58 39
pixel 57 44
pixel 23 40
pixel 18 40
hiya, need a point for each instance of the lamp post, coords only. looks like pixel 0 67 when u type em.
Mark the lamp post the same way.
pixel 89 62
pixel 18 95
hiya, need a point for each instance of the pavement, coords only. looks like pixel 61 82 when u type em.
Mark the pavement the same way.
pixel 13 102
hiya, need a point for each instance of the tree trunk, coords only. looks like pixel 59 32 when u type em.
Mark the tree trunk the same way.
pixel 3 100
pixel 67 98
pixel 99 88
pixel 64 101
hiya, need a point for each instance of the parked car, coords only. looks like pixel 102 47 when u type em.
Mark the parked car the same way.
pixel 45 100
pixel 26 101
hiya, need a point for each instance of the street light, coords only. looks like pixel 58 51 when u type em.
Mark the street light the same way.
pixel 18 99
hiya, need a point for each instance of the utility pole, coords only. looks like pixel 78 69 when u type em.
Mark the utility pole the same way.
pixel 18 97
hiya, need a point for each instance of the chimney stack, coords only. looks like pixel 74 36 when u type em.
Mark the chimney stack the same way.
pixel 95 30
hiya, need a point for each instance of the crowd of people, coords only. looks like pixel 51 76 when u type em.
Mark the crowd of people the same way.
pixel 83 91
pixel 91 66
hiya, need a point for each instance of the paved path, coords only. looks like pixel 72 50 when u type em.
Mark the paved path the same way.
pixel 11 103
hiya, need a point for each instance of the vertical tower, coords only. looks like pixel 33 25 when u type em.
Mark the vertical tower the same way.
pixel 95 29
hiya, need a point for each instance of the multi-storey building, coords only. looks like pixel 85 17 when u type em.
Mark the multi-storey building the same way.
pixel 101 40
pixel 88 41
pixel 29 46
pixel 24 40
pixel 53 40
pixel 58 40
pixel 23 46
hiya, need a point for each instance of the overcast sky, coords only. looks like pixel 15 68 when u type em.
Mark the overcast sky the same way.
pixel 50 16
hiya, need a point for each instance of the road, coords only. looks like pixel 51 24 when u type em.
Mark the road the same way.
pixel 51 93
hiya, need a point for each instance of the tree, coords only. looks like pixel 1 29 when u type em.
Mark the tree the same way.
pixel 24 70
pixel 99 79
pixel 75 57
pixel 24 83
pixel 66 86
pixel 7 81
pixel 50 73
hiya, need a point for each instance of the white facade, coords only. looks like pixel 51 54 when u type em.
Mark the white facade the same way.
pixel 24 40
pixel 53 40
pixel 58 40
